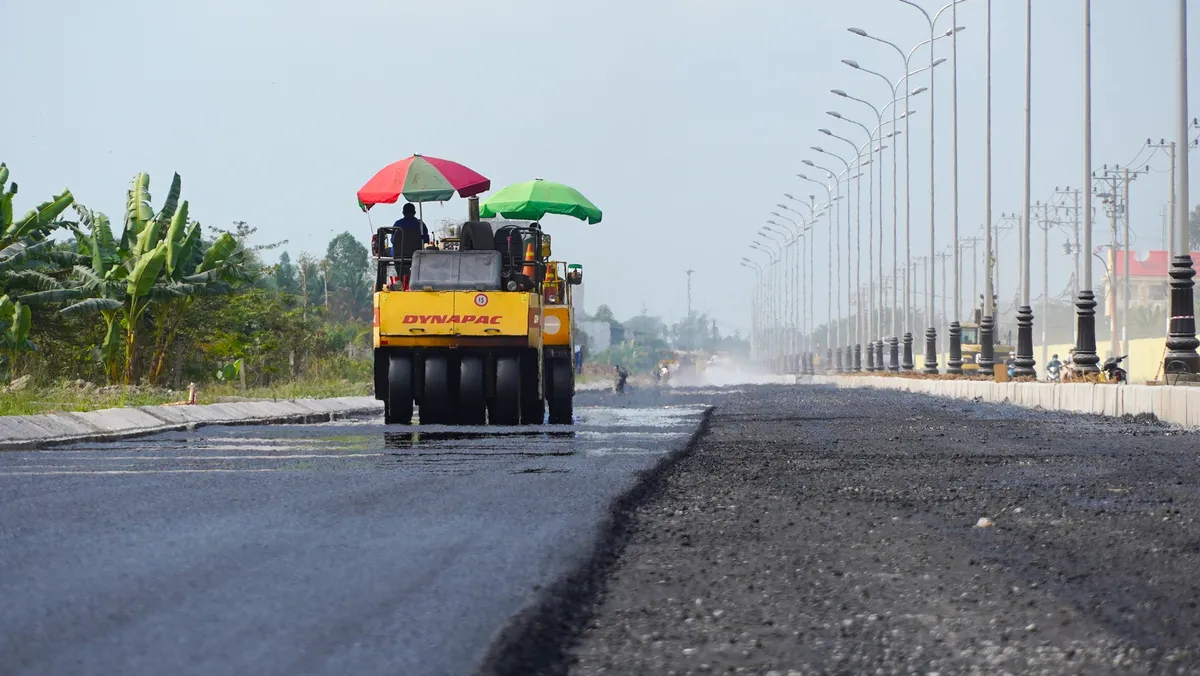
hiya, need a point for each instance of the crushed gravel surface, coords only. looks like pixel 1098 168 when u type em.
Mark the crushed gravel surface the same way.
pixel 815 530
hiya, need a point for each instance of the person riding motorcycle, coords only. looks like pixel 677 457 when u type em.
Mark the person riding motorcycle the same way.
pixel 1054 369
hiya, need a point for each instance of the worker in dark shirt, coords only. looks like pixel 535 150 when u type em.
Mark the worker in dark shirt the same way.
pixel 411 226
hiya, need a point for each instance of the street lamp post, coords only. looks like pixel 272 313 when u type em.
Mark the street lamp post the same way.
pixel 931 367
pixel 907 363
pixel 987 353
pixel 829 274
pixel 870 317
pixel 1024 362
pixel 854 280
pixel 875 322
pixel 849 296
pixel 1085 358
pixel 1181 335
pixel 954 359
pixel 755 308
pixel 789 295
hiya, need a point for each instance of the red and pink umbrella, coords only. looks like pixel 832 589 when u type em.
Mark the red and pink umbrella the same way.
pixel 421 179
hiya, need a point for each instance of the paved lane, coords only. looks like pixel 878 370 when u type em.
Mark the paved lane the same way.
pixel 823 531
pixel 344 548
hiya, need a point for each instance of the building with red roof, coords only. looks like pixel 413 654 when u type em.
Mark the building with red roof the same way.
pixel 1149 281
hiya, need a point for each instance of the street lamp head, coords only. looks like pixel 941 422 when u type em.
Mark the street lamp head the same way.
pixel 833 113
pixel 952 31
pixel 919 90
pixel 807 162
pixel 851 62
pixel 788 195
pixel 857 31
pixel 825 132
pixel 775 213
pixel 839 92
pixel 939 61
pixel 781 206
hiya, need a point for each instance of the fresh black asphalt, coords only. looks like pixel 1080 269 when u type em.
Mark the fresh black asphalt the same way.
pixel 342 548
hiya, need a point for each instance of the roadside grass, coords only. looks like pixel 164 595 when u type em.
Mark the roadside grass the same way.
pixel 70 398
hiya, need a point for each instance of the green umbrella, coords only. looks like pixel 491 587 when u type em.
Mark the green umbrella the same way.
pixel 534 199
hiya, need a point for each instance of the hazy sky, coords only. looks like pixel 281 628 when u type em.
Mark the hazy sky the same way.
pixel 685 120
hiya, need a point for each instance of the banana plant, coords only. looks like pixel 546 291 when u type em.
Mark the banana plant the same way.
pixel 15 321
pixel 95 286
pixel 25 252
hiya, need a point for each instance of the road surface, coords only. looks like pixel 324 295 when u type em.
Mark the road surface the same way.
pixel 823 531
pixel 342 548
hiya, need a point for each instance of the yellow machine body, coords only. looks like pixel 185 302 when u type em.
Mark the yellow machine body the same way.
pixel 439 318
pixel 558 310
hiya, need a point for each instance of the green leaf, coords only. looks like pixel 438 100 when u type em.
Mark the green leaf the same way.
pixel 92 305
pixel 177 239
pixel 88 277
pixel 220 251
pixel 18 253
pixel 21 321
pixel 171 203
pixel 53 296
pixel 3 175
pixel 137 208
pixel 188 252
pixel 146 272
pixel 148 239
pixel 41 221
pixel 36 279
pixel 104 247
pixel 110 349
pixel 6 208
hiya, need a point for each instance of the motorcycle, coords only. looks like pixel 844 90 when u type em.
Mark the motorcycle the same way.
pixel 1113 373
pixel 1054 372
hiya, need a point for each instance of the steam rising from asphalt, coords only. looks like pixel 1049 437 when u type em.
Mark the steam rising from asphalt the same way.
pixel 726 371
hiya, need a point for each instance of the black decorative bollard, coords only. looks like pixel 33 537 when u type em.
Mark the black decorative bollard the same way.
pixel 837 361
pixel 828 361
pixel 1181 354
pixel 879 363
pixel 1023 364
pixel 954 362
pixel 870 356
pixel 1085 358
pixel 893 354
pixel 931 362
pixel 858 357
pixel 987 347
pixel 907 364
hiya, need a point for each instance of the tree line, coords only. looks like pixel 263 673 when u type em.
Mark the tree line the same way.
pixel 645 340
pixel 161 300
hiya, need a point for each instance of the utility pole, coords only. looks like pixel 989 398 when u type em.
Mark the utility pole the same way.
pixel 944 256
pixel 971 243
pixel 1125 286
pixel 1045 226
pixel 1117 201
pixel 689 293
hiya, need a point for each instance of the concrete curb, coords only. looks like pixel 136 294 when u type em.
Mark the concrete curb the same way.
pixel 1178 405
pixel 38 431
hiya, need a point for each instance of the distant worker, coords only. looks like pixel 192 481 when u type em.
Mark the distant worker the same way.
pixel 622 375
pixel 411 226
